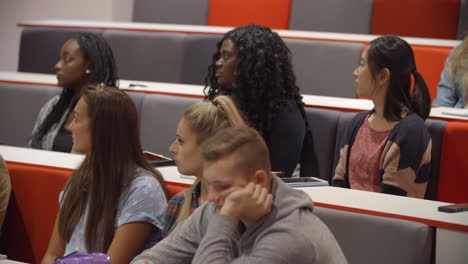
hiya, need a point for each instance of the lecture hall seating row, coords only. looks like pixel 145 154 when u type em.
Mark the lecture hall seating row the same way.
pixel 34 206
pixel 445 19
pixel 323 62
pixel 160 113
pixel 370 227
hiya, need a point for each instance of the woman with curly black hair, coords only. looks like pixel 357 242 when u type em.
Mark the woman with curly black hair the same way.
pixel 86 58
pixel 253 66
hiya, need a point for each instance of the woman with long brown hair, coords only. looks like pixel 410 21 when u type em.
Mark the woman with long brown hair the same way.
pixel 112 202
pixel 199 122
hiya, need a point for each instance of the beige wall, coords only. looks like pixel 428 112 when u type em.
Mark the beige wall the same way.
pixel 14 11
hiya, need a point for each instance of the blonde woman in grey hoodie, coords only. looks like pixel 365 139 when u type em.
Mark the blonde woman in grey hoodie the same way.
pixel 251 216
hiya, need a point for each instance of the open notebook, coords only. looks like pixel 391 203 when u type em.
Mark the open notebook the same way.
pixel 456 112
pixel 305 182
pixel 158 159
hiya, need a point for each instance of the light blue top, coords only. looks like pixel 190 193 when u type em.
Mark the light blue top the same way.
pixel 145 202
pixel 446 96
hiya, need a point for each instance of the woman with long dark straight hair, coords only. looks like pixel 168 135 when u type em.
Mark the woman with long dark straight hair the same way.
pixel 112 202
pixel 388 149
pixel 86 58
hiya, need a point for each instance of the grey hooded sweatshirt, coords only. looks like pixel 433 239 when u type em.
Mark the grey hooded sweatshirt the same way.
pixel 290 233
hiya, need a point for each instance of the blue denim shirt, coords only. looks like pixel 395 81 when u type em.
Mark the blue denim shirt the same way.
pixel 446 95
pixel 145 202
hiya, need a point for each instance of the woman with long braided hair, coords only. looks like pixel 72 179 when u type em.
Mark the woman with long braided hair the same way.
pixel 84 59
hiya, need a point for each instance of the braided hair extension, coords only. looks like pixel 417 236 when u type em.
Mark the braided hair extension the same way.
pixel 102 70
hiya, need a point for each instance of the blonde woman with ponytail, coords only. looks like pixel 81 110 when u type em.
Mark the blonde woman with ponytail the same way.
pixel 453 85
pixel 199 122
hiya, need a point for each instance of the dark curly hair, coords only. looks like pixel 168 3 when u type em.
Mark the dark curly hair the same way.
pixel 103 71
pixel 264 77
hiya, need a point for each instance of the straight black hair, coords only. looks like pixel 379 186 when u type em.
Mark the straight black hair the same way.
pixel 397 56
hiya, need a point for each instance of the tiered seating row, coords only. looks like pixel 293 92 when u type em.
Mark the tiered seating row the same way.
pixel 36 184
pixel 370 227
pixel 160 113
pixel 323 62
pixel 418 18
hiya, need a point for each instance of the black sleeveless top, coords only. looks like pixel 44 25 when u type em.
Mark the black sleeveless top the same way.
pixel 63 141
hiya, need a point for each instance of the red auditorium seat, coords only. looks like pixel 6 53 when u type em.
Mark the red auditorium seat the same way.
pixel 173 188
pixel 416 18
pixel 453 182
pixel 430 62
pixel 34 206
pixel 32 210
pixel 233 13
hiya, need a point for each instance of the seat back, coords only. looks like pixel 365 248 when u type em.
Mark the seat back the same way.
pixel 40 47
pixel 137 98
pixel 147 56
pixel 375 239
pixel 323 124
pixel 463 20
pixel 325 67
pixel 436 129
pixel 430 62
pixel 32 210
pixel 159 119
pixel 416 18
pixel 192 12
pixel 355 16
pixel 234 13
pixel 344 121
pixel 198 50
pixel 19 107
pixel 453 166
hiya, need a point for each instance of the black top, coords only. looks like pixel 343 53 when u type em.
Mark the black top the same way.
pixel 286 139
pixel 63 141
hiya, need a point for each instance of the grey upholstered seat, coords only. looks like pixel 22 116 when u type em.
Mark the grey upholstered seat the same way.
pixel 343 122
pixel 463 19
pixel 374 239
pixel 194 12
pixel 147 56
pixel 436 129
pixel 40 47
pixel 137 98
pixel 347 16
pixel 325 67
pixel 19 107
pixel 323 125
pixel 159 119
pixel 198 53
